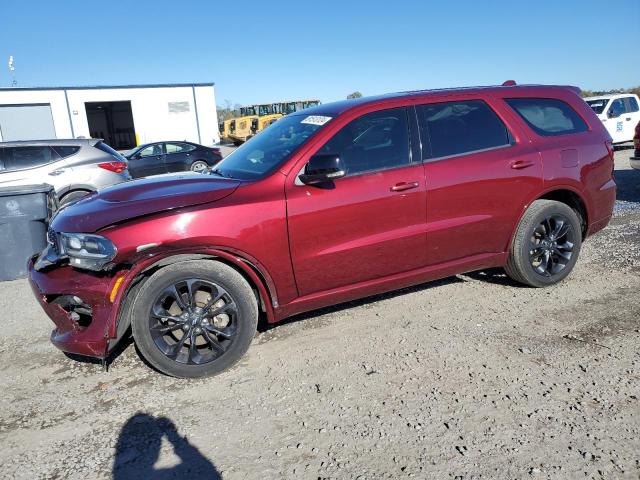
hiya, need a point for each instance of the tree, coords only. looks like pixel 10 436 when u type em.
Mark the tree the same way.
pixel 355 94
pixel 226 111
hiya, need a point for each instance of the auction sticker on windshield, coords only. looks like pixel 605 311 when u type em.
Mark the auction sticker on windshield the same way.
pixel 316 120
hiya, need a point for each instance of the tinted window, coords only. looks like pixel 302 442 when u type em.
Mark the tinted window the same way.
pixel 178 147
pixel 454 128
pixel 548 116
pixel 107 149
pixel 372 142
pixel 19 158
pixel 631 104
pixel 65 151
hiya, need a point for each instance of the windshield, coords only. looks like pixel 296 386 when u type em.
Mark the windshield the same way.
pixel 598 105
pixel 270 148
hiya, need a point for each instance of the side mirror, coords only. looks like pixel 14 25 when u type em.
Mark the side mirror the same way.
pixel 323 168
pixel 613 114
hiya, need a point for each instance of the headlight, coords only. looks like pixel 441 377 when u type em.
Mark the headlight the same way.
pixel 84 250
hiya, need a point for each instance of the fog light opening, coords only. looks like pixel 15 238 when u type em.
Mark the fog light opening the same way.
pixel 80 312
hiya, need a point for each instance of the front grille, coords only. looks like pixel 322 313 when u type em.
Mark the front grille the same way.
pixel 52 238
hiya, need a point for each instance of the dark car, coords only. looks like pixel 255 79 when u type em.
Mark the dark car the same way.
pixel 327 205
pixel 168 157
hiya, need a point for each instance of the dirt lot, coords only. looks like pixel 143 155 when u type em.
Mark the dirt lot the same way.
pixel 468 377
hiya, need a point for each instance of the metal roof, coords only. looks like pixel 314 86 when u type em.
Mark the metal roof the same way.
pixel 105 87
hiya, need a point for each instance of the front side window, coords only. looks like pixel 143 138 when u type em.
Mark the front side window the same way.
pixel 548 116
pixel 178 147
pixel 617 108
pixel 456 128
pixel 151 150
pixel 374 141
pixel 20 158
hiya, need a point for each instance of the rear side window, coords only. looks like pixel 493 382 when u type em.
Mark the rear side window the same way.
pixel 455 128
pixel 106 148
pixel 65 151
pixel 548 116
pixel 375 141
pixel 179 147
pixel 20 158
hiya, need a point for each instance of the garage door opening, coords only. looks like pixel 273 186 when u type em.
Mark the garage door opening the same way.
pixel 112 121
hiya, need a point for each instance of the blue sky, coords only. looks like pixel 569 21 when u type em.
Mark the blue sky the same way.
pixel 277 50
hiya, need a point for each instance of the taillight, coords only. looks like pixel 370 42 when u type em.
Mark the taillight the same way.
pixel 117 167
pixel 609 144
pixel 215 151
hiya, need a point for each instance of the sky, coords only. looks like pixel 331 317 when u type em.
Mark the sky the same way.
pixel 285 50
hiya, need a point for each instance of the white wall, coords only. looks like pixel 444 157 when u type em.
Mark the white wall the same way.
pixel 150 107
pixel 53 97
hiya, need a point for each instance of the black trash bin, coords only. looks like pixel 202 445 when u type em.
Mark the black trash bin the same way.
pixel 24 217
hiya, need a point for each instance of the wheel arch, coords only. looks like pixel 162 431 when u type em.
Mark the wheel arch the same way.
pixel 259 281
pixel 572 199
pixel 564 194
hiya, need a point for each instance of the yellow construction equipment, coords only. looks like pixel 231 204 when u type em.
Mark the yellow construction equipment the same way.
pixel 252 119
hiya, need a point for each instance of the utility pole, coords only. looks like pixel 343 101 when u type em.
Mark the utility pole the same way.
pixel 12 70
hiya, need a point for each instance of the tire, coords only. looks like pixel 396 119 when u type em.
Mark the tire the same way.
pixel 169 345
pixel 72 197
pixel 539 249
pixel 199 166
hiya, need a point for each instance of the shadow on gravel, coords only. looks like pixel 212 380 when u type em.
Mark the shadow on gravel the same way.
pixel 138 450
pixel 628 182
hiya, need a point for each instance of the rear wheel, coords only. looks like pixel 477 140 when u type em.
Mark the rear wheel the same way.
pixel 194 319
pixel 546 244
pixel 199 166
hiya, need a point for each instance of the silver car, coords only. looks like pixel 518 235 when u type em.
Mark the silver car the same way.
pixel 75 167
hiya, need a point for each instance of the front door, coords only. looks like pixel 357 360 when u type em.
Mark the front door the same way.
pixel 368 224
pixel 148 161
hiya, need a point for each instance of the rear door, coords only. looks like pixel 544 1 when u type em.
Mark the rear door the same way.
pixel 148 161
pixel 479 175
pixel 368 224
pixel 179 156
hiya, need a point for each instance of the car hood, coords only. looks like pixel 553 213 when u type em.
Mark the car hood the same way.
pixel 136 198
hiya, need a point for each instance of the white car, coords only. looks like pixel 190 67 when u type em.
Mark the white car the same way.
pixel 620 114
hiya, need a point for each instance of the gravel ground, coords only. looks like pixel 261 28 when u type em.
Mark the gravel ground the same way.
pixel 468 377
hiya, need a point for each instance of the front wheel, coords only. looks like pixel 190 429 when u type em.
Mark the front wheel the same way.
pixel 546 244
pixel 194 318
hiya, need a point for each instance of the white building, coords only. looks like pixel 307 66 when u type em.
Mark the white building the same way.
pixel 125 116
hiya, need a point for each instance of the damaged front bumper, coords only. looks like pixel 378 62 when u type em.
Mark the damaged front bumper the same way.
pixel 78 304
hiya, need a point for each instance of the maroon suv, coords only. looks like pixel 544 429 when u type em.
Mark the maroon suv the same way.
pixel 330 204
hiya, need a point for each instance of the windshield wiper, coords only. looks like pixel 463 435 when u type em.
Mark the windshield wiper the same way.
pixel 216 171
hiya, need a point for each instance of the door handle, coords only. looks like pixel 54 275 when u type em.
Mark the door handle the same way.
pixel 402 186
pixel 57 172
pixel 520 164
pixel 628 119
